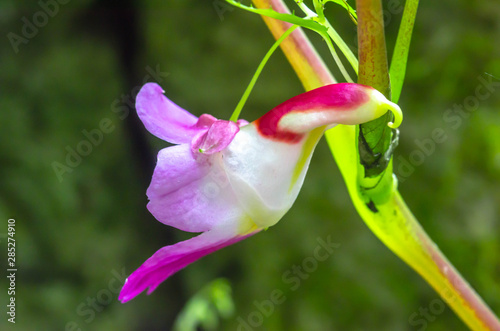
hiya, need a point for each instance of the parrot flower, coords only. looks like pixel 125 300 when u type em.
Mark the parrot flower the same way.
pixel 230 180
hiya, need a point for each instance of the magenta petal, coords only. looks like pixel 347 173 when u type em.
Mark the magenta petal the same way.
pixel 191 194
pixel 162 117
pixel 175 168
pixel 170 259
pixel 219 136
pixel 205 121
pixel 242 122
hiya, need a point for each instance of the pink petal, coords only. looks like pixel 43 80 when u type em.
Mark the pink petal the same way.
pixel 219 136
pixel 205 121
pixel 191 194
pixel 163 118
pixel 170 259
pixel 175 168
pixel 242 122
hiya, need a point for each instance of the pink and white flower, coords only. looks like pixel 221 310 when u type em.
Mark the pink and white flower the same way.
pixel 231 180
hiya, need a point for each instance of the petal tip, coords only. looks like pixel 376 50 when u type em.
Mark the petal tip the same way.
pixel 162 117
pixel 151 88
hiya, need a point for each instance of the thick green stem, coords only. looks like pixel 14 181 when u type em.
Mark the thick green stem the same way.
pixel 374 137
pixel 373 68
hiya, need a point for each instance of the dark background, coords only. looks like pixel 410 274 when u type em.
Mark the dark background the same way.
pixel 78 233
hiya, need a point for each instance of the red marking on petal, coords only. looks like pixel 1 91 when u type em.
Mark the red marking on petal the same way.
pixel 268 127
pixel 338 97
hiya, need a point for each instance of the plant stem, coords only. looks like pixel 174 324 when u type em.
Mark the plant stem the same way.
pixel 336 57
pixel 374 136
pixel 303 57
pixel 373 68
pixel 393 223
pixel 343 47
pixel 246 94
pixel 445 279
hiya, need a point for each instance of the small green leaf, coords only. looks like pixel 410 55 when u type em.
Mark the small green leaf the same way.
pixel 400 55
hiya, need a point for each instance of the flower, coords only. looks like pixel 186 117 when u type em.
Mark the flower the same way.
pixel 231 180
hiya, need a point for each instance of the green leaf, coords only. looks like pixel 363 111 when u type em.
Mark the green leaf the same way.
pixel 400 55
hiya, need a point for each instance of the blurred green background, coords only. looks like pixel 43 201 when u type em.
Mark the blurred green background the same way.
pixel 80 232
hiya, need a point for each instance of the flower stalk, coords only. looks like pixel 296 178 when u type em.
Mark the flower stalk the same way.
pixel 389 218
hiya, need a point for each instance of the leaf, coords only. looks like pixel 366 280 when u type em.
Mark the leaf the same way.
pixel 401 49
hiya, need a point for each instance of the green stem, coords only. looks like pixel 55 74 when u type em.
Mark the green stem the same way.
pixel 332 34
pixel 246 94
pixel 307 64
pixel 343 47
pixel 375 136
pixel 308 12
pixel 373 68
pixel 316 22
pixel 336 58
